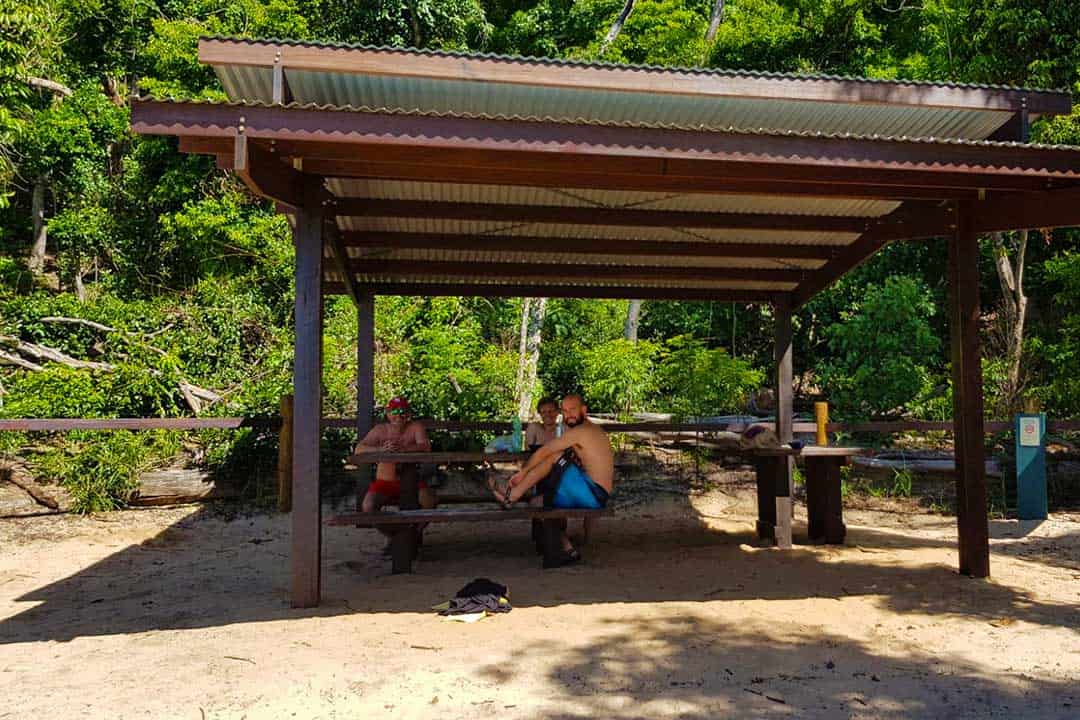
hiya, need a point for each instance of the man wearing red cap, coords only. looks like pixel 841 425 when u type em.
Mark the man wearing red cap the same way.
pixel 400 433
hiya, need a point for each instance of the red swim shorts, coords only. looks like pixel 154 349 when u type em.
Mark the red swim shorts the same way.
pixel 391 489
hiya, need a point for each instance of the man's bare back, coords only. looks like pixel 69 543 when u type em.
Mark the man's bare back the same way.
pixel 593 448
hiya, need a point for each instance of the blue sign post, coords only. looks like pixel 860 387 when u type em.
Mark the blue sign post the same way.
pixel 1031 466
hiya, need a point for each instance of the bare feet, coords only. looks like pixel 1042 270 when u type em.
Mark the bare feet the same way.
pixel 501 492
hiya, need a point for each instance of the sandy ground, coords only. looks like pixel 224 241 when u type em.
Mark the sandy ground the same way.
pixel 181 613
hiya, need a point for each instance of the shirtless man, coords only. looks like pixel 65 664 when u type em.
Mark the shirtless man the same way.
pixel 585 459
pixel 398 434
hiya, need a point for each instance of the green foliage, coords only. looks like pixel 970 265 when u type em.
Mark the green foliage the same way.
pixel 618 375
pixel 195 275
pixel 1059 352
pixel 880 351
pixel 695 381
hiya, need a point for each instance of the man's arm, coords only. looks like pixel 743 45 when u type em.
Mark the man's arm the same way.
pixel 417 439
pixel 371 442
pixel 552 447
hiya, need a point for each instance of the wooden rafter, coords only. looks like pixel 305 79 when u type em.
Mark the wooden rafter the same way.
pixel 524 271
pixel 615 291
pixel 626 217
pixel 588 246
pixel 634 151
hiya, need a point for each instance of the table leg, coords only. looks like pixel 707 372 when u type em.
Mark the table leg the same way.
pixel 766 499
pixel 784 479
pixel 824 499
pixel 403 545
pixel 774 500
pixel 552 534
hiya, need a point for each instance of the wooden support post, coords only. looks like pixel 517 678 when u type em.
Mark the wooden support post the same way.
pixel 784 471
pixel 285 455
pixel 365 379
pixel 365 362
pixel 821 418
pixel 307 404
pixel 968 430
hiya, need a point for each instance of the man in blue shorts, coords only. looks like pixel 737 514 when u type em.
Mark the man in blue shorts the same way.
pixel 577 470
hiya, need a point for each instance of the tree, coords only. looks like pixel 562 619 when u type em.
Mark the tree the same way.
pixel 881 350
pixel 533 311
pixel 1014 310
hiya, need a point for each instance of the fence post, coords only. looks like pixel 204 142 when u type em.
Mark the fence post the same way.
pixel 285 452
pixel 821 417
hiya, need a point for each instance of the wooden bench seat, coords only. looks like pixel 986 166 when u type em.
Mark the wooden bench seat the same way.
pixel 403 540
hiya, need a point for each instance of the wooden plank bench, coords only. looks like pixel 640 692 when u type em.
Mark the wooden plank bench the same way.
pixel 403 540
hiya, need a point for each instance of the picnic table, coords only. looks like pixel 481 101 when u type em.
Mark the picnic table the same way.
pixel 774 494
pixel 824 509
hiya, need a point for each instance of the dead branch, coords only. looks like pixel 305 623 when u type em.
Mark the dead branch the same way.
pixel 41 352
pixel 9 359
pixel 195 396
pixel 79 321
pixel 50 85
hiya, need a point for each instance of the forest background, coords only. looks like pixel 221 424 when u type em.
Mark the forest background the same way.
pixel 148 283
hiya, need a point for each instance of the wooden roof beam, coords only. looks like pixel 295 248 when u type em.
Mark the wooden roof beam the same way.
pixel 587 246
pixel 519 271
pixel 906 222
pixel 568 215
pixel 332 237
pixel 264 174
pixel 609 292
pixel 524 146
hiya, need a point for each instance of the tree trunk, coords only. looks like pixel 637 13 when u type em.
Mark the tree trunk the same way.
pixel 532 325
pixel 36 262
pixel 616 27
pixel 415 22
pixel 1011 277
pixel 715 20
pixel 80 288
pixel 633 315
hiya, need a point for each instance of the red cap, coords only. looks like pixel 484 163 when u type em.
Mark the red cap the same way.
pixel 397 403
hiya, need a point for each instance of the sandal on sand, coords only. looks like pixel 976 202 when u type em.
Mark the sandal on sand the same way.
pixel 502 495
pixel 566 557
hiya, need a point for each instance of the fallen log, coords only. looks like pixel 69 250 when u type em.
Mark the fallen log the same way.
pixel 175 486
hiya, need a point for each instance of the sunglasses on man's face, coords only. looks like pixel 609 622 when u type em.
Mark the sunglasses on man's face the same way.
pixel 396 411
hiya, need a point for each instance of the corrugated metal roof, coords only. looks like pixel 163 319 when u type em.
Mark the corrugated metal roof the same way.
pixel 495 99
pixel 487 257
pixel 728 129
pixel 566 62
pixel 514 195
pixel 480 227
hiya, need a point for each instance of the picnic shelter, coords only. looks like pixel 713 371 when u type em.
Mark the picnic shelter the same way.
pixel 436 173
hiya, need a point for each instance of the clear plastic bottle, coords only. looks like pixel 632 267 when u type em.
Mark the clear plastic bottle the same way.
pixel 558 427
pixel 516 432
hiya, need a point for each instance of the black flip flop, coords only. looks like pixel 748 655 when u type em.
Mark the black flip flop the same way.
pixel 566 557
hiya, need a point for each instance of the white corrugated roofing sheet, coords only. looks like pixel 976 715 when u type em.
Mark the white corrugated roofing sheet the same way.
pixel 487 257
pixel 504 229
pixel 574 197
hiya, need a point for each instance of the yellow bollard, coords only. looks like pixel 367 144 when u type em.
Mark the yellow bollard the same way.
pixel 821 417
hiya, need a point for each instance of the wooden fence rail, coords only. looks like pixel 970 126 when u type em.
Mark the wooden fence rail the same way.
pixel 274 423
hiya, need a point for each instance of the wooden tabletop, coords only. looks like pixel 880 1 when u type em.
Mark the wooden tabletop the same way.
pixel 467 456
